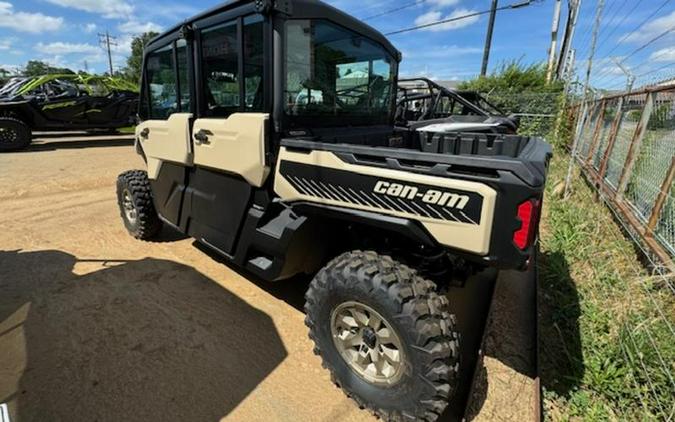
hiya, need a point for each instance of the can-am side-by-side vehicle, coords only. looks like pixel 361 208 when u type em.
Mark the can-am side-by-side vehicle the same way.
pixel 63 102
pixel 268 133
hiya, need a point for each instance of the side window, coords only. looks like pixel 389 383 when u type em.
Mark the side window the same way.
pixel 161 83
pixel 183 77
pixel 253 63
pixel 221 69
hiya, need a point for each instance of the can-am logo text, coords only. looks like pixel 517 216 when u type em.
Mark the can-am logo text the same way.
pixel 431 196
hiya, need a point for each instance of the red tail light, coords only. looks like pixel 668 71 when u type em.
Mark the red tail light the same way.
pixel 527 214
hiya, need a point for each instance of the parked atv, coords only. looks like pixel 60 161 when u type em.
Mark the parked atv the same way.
pixel 268 135
pixel 422 102
pixel 63 102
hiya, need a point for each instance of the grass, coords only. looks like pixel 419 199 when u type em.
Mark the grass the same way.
pixel 607 346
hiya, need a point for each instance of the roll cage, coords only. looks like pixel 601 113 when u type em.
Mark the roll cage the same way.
pixel 423 99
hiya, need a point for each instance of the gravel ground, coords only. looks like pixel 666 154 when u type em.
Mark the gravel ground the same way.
pixel 97 326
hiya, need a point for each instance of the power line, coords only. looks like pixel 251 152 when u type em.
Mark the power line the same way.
pixel 397 9
pixel 625 37
pixel 458 18
pixel 608 36
pixel 607 72
pixel 616 26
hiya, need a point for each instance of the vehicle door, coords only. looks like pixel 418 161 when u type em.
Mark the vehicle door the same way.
pixel 230 131
pixel 164 134
pixel 62 103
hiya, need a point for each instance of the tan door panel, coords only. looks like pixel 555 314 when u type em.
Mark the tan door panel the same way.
pixel 235 145
pixel 165 140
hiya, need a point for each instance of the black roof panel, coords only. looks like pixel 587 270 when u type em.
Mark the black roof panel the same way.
pixel 300 9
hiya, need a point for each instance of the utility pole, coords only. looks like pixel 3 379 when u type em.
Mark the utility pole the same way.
pixel 105 42
pixel 552 52
pixel 584 109
pixel 630 76
pixel 572 16
pixel 488 38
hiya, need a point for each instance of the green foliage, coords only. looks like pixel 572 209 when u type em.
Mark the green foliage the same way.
pixel 661 117
pixel 514 77
pixel 606 346
pixel 522 89
pixel 39 68
pixel 135 61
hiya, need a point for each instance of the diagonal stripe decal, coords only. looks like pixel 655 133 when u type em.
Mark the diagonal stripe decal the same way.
pixel 382 194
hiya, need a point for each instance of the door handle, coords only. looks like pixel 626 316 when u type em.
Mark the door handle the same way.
pixel 202 137
pixel 144 133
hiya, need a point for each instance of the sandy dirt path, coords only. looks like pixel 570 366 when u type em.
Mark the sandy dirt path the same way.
pixel 96 326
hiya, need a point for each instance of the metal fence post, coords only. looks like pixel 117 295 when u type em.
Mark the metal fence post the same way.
pixel 635 144
pixel 661 199
pixel 596 132
pixel 610 142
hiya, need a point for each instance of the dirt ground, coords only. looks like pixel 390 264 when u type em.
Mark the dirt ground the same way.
pixel 97 326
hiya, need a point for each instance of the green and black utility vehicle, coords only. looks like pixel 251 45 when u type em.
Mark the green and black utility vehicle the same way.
pixel 63 102
pixel 268 133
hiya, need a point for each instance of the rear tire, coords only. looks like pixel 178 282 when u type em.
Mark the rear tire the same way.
pixel 416 336
pixel 134 197
pixel 15 135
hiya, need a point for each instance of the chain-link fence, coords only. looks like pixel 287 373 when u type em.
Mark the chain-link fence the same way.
pixel 536 110
pixel 624 147
pixel 625 144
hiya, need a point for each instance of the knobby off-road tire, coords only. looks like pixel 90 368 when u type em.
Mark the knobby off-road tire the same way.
pixel 15 135
pixel 423 328
pixel 134 197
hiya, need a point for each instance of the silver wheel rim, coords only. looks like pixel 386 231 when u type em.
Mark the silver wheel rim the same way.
pixel 367 343
pixel 129 208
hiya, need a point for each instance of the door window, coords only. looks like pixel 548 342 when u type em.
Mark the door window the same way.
pixel 161 83
pixel 253 63
pixel 183 81
pixel 221 69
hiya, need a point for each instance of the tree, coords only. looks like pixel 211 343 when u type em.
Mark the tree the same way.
pixel 135 60
pixel 37 68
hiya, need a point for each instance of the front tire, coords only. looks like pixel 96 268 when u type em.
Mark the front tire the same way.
pixel 15 135
pixel 385 335
pixel 134 197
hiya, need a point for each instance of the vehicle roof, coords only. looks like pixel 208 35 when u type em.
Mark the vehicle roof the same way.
pixel 299 9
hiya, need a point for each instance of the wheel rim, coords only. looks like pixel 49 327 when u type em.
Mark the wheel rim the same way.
pixel 7 135
pixel 367 343
pixel 129 208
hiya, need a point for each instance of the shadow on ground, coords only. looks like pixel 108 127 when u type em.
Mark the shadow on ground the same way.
pixel 137 340
pixel 561 360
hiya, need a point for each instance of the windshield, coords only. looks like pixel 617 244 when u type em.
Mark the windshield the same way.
pixel 336 74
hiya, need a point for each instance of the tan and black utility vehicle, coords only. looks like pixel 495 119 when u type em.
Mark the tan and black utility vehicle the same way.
pixel 268 132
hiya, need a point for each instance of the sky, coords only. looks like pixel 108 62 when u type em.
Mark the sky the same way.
pixel 64 33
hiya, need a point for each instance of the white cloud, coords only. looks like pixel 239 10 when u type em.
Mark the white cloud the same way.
pixel 89 28
pixel 652 29
pixel 435 16
pixel 59 48
pixel 112 9
pixel 663 55
pixel 135 27
pixel 27 22
pixel 11 68
pixel 5 44
pixel 444 3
